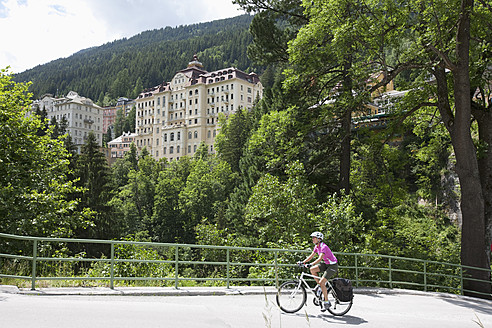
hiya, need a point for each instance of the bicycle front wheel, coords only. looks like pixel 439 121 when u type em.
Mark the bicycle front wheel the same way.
pixel 337 307
pixel 291 296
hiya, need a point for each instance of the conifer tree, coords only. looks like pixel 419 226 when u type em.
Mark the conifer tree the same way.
pixel 94 174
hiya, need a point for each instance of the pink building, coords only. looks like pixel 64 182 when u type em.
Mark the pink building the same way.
pixel 109 116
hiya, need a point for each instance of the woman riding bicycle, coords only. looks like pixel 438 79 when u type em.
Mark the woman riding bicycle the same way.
pixel 326 263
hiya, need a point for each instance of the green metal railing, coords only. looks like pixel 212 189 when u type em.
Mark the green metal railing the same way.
pixel 271 265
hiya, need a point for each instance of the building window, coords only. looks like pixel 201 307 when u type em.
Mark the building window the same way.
pixel 189 149
pixel 179 135
pixel 196 134
pixel 171 150
pixel 171 136
pixel 165 137
pixel 189 135
pixel 177 149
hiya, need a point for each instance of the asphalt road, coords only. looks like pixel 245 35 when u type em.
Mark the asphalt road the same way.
pixel 108 311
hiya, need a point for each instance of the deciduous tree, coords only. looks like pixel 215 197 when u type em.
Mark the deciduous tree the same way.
pixel 34 169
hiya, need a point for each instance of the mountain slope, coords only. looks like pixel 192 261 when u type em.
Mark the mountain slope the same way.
pixel 124 67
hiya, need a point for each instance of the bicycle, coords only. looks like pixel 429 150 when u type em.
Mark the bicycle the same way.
pixel 292 296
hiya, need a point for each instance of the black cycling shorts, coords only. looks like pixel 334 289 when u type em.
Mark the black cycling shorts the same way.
pixel 329 270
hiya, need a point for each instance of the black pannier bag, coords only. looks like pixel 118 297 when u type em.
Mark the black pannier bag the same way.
pixel 343 288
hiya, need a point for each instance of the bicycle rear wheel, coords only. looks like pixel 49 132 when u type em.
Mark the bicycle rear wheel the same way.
pixel 291 296
pixel 337 307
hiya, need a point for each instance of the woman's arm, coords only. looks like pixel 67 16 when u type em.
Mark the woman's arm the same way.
pixel 309 258
pixel 319 259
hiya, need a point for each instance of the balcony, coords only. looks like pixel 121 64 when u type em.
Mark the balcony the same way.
pixel 88 121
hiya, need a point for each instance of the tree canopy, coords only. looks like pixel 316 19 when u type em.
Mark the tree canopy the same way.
pixel 34 171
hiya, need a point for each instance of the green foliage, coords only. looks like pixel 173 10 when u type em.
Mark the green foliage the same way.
pixel 275 142
pixel 94 178
pixel 417 231
pixel 377 174
pixel 343 227
pixel 34 171
pixel 135 252
pixel 134 201
pixel 234 133
pixel 168 220
pixel 207 187
pixel 282 210
pixel 430 152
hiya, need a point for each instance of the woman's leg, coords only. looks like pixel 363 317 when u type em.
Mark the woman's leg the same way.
pixel 314 271
pixel 322 284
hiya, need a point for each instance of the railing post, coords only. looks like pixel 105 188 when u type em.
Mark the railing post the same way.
pixel 425 276
pixel 461 280
pixel 111 271
pixel 390 274
pixel 356 273
pixel 176 258
pixel 228 268
pixel 34 260
pixel 276 269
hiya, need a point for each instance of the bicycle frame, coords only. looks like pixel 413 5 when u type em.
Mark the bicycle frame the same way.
pixel 301 280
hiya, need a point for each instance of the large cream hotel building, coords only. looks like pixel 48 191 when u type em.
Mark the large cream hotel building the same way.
pixel 175 117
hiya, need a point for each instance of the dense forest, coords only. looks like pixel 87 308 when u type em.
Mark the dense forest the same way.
pixel 123 68
pixel 294 163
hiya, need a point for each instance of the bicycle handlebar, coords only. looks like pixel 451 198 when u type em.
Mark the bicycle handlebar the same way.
pixel 303 265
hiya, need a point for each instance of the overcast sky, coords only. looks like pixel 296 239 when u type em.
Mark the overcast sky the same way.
pixel 34 32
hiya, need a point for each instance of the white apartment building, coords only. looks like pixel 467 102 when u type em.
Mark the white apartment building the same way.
pixel 175 117
pixel 121 145
pixel 82 115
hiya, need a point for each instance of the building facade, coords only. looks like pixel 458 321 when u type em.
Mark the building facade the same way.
pixel 119 146
pixel 109 117
pixel 174 118
pixel 81 114
pixel 123 104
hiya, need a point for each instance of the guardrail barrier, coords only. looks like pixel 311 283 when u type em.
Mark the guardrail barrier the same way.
pixel 181 264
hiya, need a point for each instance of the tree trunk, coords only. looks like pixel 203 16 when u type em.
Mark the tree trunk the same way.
pixel 473 248
pixel 484 120
pixel 344 182
pixel 346 126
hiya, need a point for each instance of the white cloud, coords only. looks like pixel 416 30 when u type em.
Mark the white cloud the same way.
pixel 37 31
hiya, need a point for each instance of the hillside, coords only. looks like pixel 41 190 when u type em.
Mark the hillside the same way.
pixel 124 67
